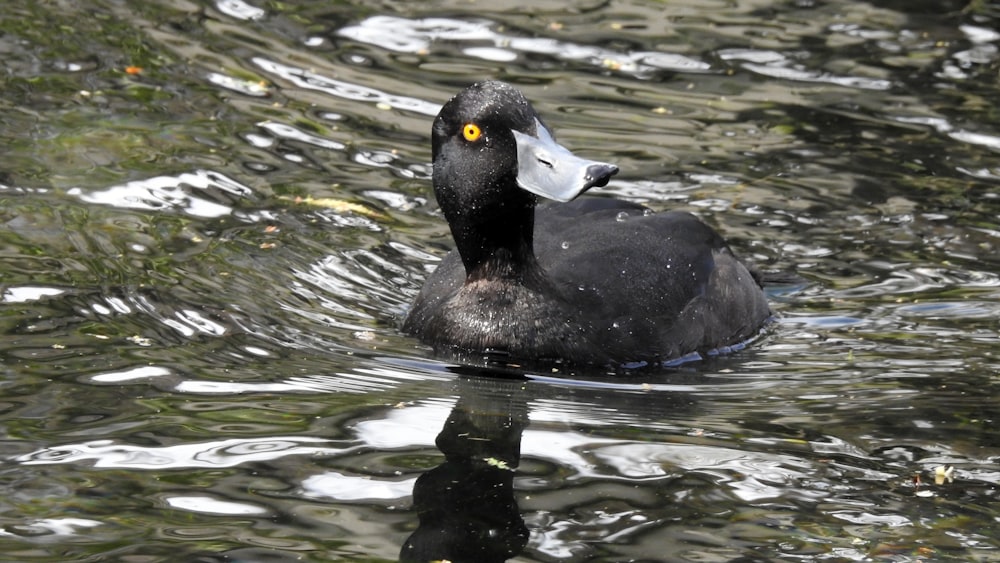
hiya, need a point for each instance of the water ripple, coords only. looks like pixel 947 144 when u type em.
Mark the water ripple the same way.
pixel 209 505
pixel 778 65
pixel 285 131
pixel 943 126
pixel 240 10
pixel 341 487
pixel 920 280
pixel 26 293
pixel 418 35
pixel 53 526
pixel 312 80
pixel 172 193
pixel 223 453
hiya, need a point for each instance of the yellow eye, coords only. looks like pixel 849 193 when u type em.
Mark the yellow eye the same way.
pixel 471 132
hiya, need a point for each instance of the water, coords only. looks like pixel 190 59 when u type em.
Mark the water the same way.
pixel 215 215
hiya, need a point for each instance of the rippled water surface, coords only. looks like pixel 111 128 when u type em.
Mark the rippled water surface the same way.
pixel 215 214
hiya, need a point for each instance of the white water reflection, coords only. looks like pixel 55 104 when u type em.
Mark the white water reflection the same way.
pixel 418 36
pixel 243 86
pixel 410 426
pixel 141 372
pixel 285 131
pixel 363 380
pixel 187 193
pixel 107 454
pixel 240 10
pixel 305 78
pixel 26 293
pixel 53 526
pixel 943 126
pixel 209 505
pixel 338 486
pixel 782 66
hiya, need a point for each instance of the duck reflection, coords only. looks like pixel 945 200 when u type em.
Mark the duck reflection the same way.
pixel 466 506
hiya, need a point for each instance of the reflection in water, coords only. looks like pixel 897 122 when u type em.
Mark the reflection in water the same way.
pixel 777 65
pixel 417 36
pixel 305 78
pixel 467 508
pixel 164 193
pixel 227 453
pixel 466 505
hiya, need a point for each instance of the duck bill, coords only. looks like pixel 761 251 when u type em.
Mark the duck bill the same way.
pixel 548 169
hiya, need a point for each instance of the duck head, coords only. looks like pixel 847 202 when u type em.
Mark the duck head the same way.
pixel 493 156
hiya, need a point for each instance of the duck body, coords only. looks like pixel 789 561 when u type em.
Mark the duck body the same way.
pixel 592 281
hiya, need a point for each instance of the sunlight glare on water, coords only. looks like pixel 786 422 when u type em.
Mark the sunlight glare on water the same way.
pixel 216 213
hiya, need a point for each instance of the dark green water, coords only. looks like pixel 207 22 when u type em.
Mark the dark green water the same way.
pixel 204 261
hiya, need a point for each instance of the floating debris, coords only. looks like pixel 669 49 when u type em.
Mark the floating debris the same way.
pixel 944 474
pixel 336 205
